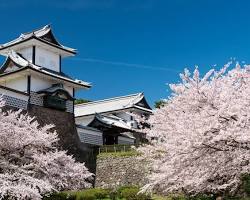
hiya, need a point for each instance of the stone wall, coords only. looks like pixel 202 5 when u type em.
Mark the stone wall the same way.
pixel 112 172
pixel 65 127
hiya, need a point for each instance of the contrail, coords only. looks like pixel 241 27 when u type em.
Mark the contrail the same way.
pixel 125 64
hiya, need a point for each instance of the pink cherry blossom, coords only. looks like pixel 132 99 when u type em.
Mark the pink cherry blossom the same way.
pixel 200 139
pixel 30 163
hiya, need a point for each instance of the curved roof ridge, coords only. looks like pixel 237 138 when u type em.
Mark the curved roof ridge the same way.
pixel 38 34
pixel 138 98
pixel 109 99
pixel 48 27
pixel 37 29
pixel 17 58
pixel 110 121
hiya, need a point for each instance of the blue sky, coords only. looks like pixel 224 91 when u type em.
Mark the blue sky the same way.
pixel 128 46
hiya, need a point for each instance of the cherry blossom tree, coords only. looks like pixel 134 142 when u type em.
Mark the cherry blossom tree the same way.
pixel 200 139
pixel 31 164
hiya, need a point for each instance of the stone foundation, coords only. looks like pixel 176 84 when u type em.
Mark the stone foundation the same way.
pixel 65 127
pixel 112 172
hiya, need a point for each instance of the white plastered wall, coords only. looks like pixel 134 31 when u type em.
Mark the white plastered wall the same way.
pixel 37 83
pixel 26 53
pixel 69 89
pixel 47 59
pixel 19 84
pixel 124 115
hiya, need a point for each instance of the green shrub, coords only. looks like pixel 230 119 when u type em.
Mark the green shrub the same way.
pixel 131 193
pixel 92 194
pixel 177 197
pixel 100 193
pixel 85 196
pixel 202 197
pixel 246 183
pixel 113 194
pixel 184 197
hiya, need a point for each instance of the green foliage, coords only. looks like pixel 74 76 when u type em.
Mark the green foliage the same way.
pixel 88 194
pixel 159 104
pixel 202 197
pixel 85 196
pixel 131 193
pixel 92 194
pixel 101 193
pixel 246 183
pixel 183 197
pixel 113 194
pixel 79 101
pixel 177 197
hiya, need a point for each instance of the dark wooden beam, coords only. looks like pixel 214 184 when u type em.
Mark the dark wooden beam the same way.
pixel 28 88
pixel 74 100
pixel 34 55
pixel 60 63
pixel 13 90
pixel 28 84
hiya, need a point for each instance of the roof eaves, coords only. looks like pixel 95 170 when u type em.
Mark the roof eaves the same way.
pixel 77 82
pixel 144 109
pixel 86 85
pixel 69 50
pixel 21 40
pixel 107 100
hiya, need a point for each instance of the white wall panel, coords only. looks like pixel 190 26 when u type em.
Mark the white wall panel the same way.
pixel 27 53
pixel 37 83
pixel 19 84
pixel 47 59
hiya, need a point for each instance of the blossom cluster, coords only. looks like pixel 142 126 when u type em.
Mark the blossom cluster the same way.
pixel 200 138
pixel 30 163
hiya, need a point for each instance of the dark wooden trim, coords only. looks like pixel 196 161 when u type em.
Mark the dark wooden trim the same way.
pixel 13 90
pixel 28 83
pixel 34 55
pixel 60 63
pixel 65 92
pixel 74 100
pixel 143 101
pixel 28 88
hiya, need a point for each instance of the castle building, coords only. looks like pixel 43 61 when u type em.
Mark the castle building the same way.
pixel 32 72
pixel 110 121
pixel 31 78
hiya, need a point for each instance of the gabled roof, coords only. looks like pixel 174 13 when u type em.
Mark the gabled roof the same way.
pixel 56 88
pixel 43 34
pixel 108 121
pixel 136 101
pixel 24 64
